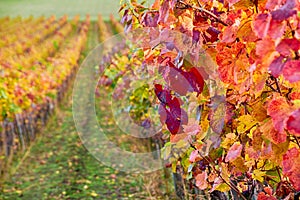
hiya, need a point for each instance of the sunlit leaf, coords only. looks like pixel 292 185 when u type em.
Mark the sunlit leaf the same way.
pixel 234 152
pixel 291 166
pixel 293 123
pixel 291 71
pixel 201 180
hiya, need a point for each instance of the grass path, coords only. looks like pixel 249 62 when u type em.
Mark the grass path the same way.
pixel 57 166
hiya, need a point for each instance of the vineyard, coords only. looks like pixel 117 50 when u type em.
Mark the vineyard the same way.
pixel 186 99
pixel 30 81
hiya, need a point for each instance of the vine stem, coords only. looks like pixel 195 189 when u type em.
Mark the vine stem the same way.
pixel 230 184
pixel 296 138
pixel 205 11
pixel 278 171
pixel 278 87
pixel 297 141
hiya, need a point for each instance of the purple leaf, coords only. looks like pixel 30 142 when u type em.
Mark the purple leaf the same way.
pixel 285 11
pixel 150 19
pixel 164 12
pixel 277 66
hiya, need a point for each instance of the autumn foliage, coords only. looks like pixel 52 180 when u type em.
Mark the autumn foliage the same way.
pixel 248 139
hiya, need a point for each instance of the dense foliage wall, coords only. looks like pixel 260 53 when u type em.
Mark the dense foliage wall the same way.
pixel 244 138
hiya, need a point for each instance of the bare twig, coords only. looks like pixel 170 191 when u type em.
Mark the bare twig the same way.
pixel 278 87
pixel 205 11
pixel 199 4
pixel 277 169
pixel 297 141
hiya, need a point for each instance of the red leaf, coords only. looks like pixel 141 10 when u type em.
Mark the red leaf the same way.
pixel 164 12
pixel 228 71
pixel 261 25
pixel 279 111
pixel 272 134
pixel 271 4
pixel 291 166
pixel 295 95
pixel 276 29
pixel 200 21
pixel 196 80
pixel 233 1
pixel 291 71
pixel 234 152
pixel 263 196
pixel 174 122
pixel 268 190
pixel 293 123
pixel 176 80
pixel 264 47
pixel 277 137
pixel 176 117
pixel 229 34
pixel 163 95
pixel 286 46
pixel 183 81
pixel 211 34
pixel 170 110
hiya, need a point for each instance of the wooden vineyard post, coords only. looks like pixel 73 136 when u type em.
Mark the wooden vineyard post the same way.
pixel 179 185
pixel 20 132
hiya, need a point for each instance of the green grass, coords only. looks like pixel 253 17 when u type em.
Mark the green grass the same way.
pixel 59 7
pixel 59 167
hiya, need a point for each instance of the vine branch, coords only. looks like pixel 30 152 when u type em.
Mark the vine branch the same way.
pixel 230 184
pixel 205 11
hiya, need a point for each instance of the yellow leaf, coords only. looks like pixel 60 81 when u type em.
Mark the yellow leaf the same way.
pixel 225 173
pixel 204 123
pixel 259 111
pixel 174 165
pixel 93 194
pixel 258 175
pixel 239 163
pixel 223 187
pixel 19 192
pixel 246 122
pixel 296 102
pixel 279 150
pixel 228 141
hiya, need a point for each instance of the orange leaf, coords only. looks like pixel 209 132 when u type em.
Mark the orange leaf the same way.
pixel 279 111
pixel 201 181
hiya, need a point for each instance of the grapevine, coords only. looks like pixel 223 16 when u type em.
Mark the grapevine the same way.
pixel 255 46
